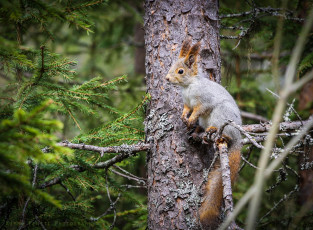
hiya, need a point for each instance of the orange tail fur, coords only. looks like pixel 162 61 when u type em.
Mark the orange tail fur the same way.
pixel 213 196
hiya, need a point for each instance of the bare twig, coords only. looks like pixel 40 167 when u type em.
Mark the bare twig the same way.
pixel 255 14
pixel 291 107
pixel 307 77
pixel 257 139
pixel 68 191
pixel 283 126
pixel 268 10
pixel 130 174
pixel 265 155
pixel 269 170
pixel 249 163
pixel 250 148
pixel 259 131
pixel 229 37
pixel 246 134
pixel 112 205
pixel 133 186
pixel 274 164
pixel 40 223
pixel 282 176
pixel 128 177
pixel 285 197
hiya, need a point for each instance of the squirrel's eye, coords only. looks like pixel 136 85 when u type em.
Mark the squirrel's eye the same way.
pixel 180 71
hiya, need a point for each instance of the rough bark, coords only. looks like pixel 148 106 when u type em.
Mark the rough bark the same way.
pixel 176 168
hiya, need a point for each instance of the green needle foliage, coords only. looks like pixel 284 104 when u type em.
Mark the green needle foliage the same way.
pixel 39 88
pixel 22 139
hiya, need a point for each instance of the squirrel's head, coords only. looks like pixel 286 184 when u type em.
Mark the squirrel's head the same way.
pixel 185 67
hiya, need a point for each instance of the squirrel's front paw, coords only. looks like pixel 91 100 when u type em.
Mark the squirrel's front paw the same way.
pixel 190 123
pixel 184 119
pixel 223 139
pixel 210 131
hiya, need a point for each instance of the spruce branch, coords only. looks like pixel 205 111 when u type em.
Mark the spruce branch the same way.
pixel 112 206
pixel 110 149
pixel 80 7
pixel 125 151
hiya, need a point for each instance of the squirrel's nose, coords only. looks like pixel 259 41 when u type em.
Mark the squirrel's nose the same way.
pixel 167 77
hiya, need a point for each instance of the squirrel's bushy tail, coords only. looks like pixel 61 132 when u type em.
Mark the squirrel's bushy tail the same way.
pixel 213 196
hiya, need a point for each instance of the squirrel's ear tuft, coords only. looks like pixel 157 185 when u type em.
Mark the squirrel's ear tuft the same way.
pixel 191 57
pixel 185 48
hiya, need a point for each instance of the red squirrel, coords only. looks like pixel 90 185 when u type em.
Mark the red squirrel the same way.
pixel 212 105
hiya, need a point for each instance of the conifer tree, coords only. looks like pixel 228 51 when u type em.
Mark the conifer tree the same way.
pixel 38 88
pixel 71 122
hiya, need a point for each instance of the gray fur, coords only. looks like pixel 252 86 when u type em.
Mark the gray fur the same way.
pixel 217 104
pixel 210 104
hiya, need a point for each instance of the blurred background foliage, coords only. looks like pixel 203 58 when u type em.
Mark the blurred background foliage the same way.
pixel 248 66
pixel 74 70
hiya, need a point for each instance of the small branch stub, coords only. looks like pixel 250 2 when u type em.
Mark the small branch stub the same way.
pixel 226 178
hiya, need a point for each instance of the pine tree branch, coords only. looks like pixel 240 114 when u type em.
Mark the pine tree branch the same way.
pixel 110 149
pixel 112 206
pixel 125 151
pixel 129 150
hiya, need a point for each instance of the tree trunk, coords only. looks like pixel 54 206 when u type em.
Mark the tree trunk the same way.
pixel 176 168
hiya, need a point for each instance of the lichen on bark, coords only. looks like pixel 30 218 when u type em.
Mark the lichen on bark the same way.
pixel 176 168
